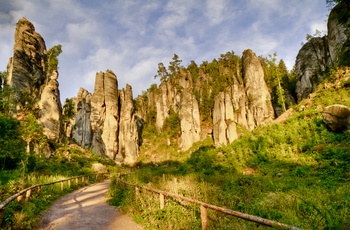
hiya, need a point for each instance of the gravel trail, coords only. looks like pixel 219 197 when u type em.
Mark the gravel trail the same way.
pixel 86 209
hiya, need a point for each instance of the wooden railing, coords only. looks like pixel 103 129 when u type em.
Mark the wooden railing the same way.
pixel 26 193
pixel 205 206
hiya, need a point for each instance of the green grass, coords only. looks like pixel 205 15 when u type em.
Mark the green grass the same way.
pixel 297 173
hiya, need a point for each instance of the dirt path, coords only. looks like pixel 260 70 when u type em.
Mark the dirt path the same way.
pixel 86 209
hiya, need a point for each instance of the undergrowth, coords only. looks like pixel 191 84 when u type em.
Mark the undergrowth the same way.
pixel 296 172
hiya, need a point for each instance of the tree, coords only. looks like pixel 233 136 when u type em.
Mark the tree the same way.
pixel 68 112
pixel 31 131
pixel 52 60
pixel 174 66
pixel 162 73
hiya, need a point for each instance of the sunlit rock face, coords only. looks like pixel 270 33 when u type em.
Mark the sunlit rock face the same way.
pixel 105 115
pixel 50 114
pixel 26 74
pixel 25 70
pixel 130 127
pixel 246 103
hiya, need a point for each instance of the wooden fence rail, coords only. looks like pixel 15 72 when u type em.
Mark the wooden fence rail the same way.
pixel 28 191
pixel 205 206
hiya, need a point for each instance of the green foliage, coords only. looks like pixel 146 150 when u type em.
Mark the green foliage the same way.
pixel 52 58
pixel 12 146
pixel 172 124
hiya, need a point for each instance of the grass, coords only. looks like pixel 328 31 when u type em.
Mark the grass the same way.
pixel 296 172
pixel 69 161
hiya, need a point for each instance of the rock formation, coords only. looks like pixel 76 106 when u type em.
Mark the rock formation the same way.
pixel 312 60
pixel 128 128
pixel 26 73
pixel 26 69
pixel 105 115
pixel 246 103
pixel 337 117
pixel 81 130
pixel 318 53
pixel 106 121
pixel 338 33
pixel 50 114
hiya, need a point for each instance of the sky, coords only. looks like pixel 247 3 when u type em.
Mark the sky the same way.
pixel 130 37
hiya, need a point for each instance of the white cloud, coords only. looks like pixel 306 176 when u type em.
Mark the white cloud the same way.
pixel 215 10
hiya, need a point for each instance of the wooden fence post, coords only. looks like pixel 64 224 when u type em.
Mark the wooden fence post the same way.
pixel 83 180
pixel 68 183
pixel 28 193
pixel 161 200
pixel 204 217
pixel 61 185
pixel 39 188
pixel 19 198
pixel 77 181
pixel 137 192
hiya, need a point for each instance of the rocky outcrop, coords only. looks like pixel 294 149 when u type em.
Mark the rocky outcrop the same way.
pixel 189 116
pixel 246 103
pixel 259 98
pixel 320 53
pixel 337 117
pixel 26 69
pixel 312 60
pixel 105 115
pixel 81 130
pixel 338 33
pixel 129 128
pixel 50 114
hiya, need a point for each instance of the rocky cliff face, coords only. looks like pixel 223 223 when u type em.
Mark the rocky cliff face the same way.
pixel 246 103
pixel 129 128
pixel 105 115
pixel 320 53
pixel 50 115
pixel 81 130
pixel 338 33
pixel 106 122
pixel 311 62
pixel 26 69
pixel 26 72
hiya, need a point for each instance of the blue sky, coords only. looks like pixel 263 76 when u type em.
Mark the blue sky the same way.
pixel 131 37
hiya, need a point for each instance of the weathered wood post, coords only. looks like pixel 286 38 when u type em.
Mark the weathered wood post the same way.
pixel 68 183
pixel 28 193
pixel 137 192
pixel 61 185
pixel 83 180
pixel 204 217
pixel 77 181
pixel 19 198
pixel 161 200
pixel 39 188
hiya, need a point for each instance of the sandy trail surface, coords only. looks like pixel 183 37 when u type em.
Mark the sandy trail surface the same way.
pixel 86 209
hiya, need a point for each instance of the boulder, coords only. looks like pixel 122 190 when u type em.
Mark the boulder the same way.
pixel 337 117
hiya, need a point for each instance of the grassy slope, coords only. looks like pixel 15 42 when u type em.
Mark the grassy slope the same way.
pixel 296 172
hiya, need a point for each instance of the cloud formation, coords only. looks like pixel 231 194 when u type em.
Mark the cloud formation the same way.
pixel 132 37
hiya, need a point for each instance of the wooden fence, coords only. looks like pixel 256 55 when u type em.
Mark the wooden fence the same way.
pixel 205 206
pixel 26 193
